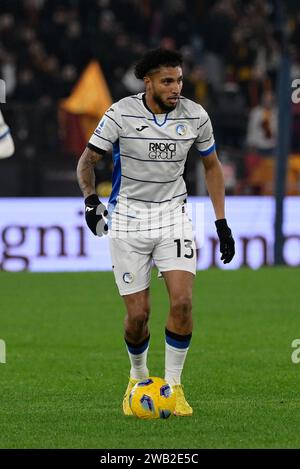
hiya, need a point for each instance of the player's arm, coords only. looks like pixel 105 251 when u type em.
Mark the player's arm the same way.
pixel 215 183
pixel 85 170
pixel 94 209
pixel 216 189
pixel 104 136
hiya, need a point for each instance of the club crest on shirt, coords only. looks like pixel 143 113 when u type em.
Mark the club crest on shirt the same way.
pixel 128 277
pixel 181 129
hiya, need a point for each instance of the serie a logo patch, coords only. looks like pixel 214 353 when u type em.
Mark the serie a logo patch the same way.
pixel 100 127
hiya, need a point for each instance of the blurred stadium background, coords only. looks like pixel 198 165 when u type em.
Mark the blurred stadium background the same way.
pixel 231 50
pixel 63 62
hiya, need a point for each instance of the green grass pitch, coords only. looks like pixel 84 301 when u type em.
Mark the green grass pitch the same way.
pixel 67 367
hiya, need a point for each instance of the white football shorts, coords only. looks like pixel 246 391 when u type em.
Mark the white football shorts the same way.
pixel 168 247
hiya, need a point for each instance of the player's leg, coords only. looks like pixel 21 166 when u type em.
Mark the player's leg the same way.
pixel 175 257
pixel 178 333
pixel 137 340
pixel 137 333
pixel 179 284
pixel 179 323
pixel 132 268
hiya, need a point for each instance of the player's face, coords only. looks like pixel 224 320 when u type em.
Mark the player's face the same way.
pixel 165 87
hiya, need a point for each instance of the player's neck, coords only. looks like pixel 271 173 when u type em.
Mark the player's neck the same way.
pixel 152 105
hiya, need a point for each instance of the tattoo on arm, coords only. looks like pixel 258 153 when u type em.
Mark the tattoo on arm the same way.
pixel 85 171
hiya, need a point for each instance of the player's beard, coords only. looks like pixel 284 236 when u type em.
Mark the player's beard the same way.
pixel 162 105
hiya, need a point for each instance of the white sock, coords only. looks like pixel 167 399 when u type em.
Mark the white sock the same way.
pixel 174 361
pixel 138 360
pixel 175 354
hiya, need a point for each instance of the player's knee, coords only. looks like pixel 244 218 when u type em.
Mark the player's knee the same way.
pixel 181 306
pixel 138 319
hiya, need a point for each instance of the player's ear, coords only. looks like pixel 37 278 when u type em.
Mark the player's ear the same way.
pixel 147 81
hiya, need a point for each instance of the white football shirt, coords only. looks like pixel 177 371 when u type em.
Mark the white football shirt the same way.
pixel 150 150
pixel 7 147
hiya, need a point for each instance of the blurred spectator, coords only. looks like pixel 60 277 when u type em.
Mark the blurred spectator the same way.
pixel 295 141
pixel 217 31
pixel 261 141
pixel 230 117
pixel 262 126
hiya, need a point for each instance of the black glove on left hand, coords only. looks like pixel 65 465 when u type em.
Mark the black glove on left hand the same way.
pixel 95 212
pixel 226 240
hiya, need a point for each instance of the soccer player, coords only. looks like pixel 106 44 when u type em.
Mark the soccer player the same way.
pixel 151 134
pixel 7 147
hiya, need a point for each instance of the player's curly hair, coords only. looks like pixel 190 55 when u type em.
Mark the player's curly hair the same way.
pixel 156 58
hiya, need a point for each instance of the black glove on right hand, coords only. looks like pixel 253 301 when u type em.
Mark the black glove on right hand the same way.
pixel 226 240
pixel 94 213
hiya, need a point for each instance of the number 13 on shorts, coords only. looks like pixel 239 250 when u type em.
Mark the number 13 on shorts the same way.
pixel 188 248
pixel 176 254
